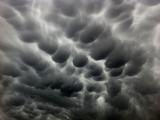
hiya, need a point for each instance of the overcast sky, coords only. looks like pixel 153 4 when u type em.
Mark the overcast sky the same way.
pixel 79 60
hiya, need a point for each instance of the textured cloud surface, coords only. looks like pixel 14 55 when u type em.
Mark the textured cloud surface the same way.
pixel 79 60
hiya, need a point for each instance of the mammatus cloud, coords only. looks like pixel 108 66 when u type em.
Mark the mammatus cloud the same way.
pixel 79 60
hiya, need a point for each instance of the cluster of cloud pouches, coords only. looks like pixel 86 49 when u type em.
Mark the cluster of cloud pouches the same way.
pixel 79 60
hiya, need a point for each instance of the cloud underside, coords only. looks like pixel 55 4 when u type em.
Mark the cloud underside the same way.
pixel 79 60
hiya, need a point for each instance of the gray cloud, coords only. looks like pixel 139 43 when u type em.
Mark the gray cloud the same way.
pixel 62 54
pixel 79 60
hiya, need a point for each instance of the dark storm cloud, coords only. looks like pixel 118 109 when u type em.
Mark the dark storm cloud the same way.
pixel 114 12
pixel 138 58
pixel 18 2
pixel 41 66
pixel 14 100
pixel 30 31
pixel 146 85
pixel 46 109
pixel 29 78
pixel 30 36
pixel 53 81
pixel 6 80
pixel 79 60
pixel 149 2
pixel 94 70
pixel 16 22
pixel 94 6
pixel 70 70
pixel 113 87
pixel 88 111
pixel 126 24
pixel 102 77
pixel 91 33
pixel 21 5
pixel 120 102
pixel 118 72
pixel 68 8
pixel 119 57
pixel 46 96
pixel 61 55
pixel 107 45
pixel 49 45
pixel 94 88
pixel 117 11
pixel 10 70
pixel 72 86
pixel 132 69
pixel 75 26
pixel 30 58
pixel 116 1
pixel 8 11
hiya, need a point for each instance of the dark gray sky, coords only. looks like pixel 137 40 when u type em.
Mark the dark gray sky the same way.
pixel 79 60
